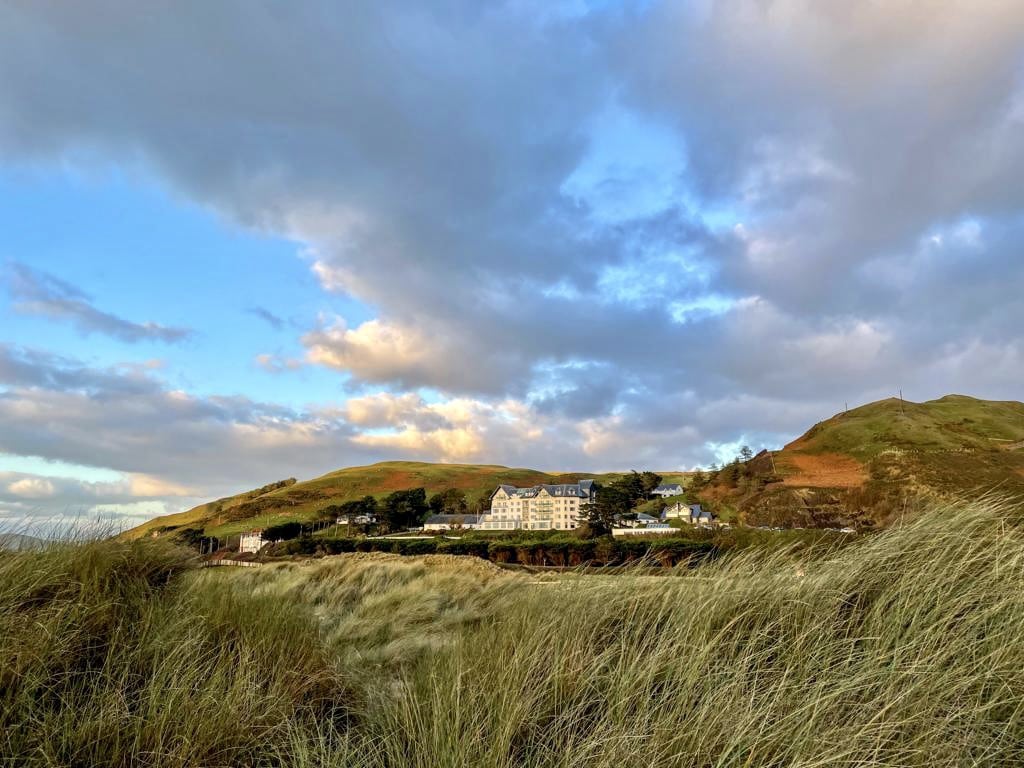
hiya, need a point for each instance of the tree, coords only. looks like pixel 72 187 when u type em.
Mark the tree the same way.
pixel 637 485
pixel 449 502
pixel 650 481
pixel 481 504
pixel 282 532
pixel 403 509
pixel 699 480
pixel 610 503
pixel 190 537
pixel 746 454
pixel 331 512
pixel 734 472
pixel 369 506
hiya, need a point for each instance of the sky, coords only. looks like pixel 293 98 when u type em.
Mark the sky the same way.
pixel 248 240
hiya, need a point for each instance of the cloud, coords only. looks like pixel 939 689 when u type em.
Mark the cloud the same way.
pixel 39 293
pixel 598 238
pixel 276 364
pixel 266 316
pixel 167 441
pixel 31 488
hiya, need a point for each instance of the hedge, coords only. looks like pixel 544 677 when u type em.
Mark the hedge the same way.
pixel 557 551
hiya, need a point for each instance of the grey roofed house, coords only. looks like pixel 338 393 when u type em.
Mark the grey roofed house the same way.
pixel 699 514
pixel 667 489
pixel 584 489
pixel 645 518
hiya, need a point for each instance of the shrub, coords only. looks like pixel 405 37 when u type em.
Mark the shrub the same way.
pixel 282 531
pixel 464 547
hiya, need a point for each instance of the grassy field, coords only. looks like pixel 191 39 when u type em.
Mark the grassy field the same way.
pixel 901 649
pixel 288 501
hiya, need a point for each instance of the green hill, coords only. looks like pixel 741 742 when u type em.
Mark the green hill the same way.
pixel 291 500
pixel 864 466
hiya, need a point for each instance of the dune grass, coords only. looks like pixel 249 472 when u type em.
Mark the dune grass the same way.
pixel 906 648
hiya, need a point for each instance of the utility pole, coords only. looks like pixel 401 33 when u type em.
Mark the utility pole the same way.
pixel 901 404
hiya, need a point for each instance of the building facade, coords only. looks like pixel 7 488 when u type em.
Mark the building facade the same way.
pixel 252 541
pixel 538 508
pixel 451 522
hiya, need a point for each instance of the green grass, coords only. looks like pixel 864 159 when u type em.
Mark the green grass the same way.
pixel 951 423
pixel 903 648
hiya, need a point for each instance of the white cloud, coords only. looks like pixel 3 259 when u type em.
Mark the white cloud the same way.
pixel 567 289
pixel 32 488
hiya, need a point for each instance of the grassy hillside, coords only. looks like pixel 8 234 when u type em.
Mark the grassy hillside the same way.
pixel 954 423
pixel 867 465
pixel 290 500
pixel 902 648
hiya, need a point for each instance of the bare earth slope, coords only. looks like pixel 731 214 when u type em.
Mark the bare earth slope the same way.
pixel 867 465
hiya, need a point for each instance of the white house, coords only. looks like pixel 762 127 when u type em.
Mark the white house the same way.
pixel 449 522
pixel 677 511
pixel 694 514
pixel 252 541
pixel 664 491
pixel 538 508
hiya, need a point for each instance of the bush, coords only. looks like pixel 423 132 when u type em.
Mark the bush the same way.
pixel 109 658
pixel 282 532
pixel 415 546
pixel 464 547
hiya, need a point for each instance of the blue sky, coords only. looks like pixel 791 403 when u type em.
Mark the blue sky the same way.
pixel 574 236
pixel 140 252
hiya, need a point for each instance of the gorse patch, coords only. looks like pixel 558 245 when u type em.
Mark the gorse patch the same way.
pixel 902 648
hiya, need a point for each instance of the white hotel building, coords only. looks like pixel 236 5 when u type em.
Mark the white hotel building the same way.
pixel 540 508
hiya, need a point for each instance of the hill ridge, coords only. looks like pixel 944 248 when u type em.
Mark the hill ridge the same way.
pixel 862 465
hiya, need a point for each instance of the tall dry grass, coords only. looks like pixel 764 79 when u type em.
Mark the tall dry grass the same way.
pixel 906 648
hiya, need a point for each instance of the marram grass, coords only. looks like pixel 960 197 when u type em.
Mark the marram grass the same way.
pixel 904 649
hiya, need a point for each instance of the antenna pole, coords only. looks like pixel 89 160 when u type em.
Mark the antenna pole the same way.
pixel 901 404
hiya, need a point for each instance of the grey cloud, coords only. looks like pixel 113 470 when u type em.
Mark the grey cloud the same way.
pixel 132 423
pixel 421 151
pixel 39 293
pixel 266 316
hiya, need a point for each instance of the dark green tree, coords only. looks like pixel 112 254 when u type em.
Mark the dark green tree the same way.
pixel 189 537
pixel 699 480
pixel 649 481
pixel 746 454
pixel 403 509
pixel 448 502
pixel 480 504
pixel 282 532
pixel 611 503
pixel 633 485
